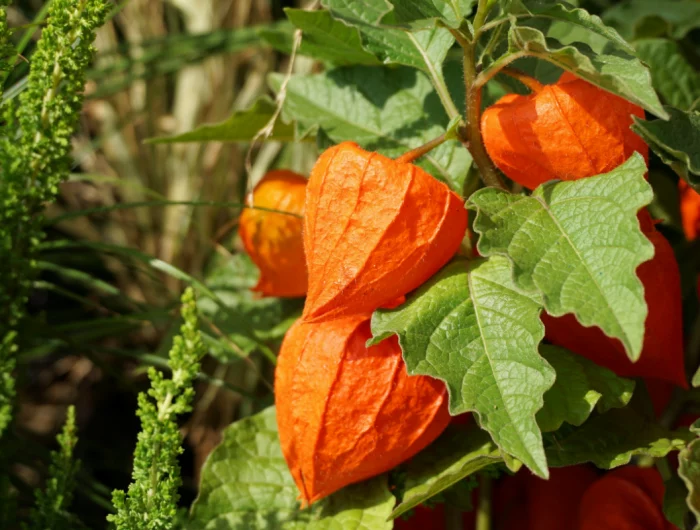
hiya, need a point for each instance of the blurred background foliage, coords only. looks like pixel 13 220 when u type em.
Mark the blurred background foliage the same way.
pixel 137 222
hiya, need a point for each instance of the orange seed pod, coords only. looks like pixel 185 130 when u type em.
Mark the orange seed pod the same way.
pixel 346 412
pixel 690 210
pixel 567 131
pixel 273 240
pixel 374 230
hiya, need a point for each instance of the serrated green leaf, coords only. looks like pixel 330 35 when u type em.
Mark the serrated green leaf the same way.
pixel 419 14
pixel 675 141
pixel 328 39
pixel 390 110
pixel 580 386
pixel 675 507
pixel 241 126
pixel 612 439
pixel 571 15
pixel 639 18
pixel 673 76
pixel 358 12
pixel 245 485
pixel 457 454
pixel 689 471
pixel 425 50
pixel 471 327
pixel 245 319
pixel 620 73
pixel 579 244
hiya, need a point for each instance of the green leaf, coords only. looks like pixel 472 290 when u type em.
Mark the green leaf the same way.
pixel 689 471
pixel 471 327
pixel 390 110
pixel 358 12
pixel 246 319
pixel 620 73
pixel 241 126
pixel 675 141
pixel 572 16
pixel 328 39
pixel 580 386
pixel 612 439
pixel 579 244
pixel 425 50
pixel 673 76
pixel 419 14
pixel 245 485
pixel 457 454
pixel 675 507
pixel 645 18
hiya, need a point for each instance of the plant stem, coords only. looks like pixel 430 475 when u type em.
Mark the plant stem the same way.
pixel 438 81
pixel 453 518
pixel 488 74
pixel 481 11
pixel 419 151
pixel 472 131
pixel 483 510
pixel 530 82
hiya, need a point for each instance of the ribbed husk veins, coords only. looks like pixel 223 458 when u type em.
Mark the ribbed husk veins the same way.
pixel 566 131
pixel 374 230
pixel 273 240
pixel 346 412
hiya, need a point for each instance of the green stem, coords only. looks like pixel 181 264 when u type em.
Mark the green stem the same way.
pixel 488 74
pixel 453 518
pixel 419 151
pixel 483 510
pixel 481 11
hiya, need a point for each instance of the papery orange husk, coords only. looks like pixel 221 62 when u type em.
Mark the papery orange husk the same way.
pixel 374 230
pixel 346 412
pixel 690 210
pixel 567 131
pixel 662 351
pixel 273 240
pixel 526 502
pixel 628 498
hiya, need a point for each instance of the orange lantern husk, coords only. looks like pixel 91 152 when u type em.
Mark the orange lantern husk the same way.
pixel 566 131
pixel 690 210
pixel 273 240
pixel 346 412
pixel 374 230
pixel 662 354
pixel 627 498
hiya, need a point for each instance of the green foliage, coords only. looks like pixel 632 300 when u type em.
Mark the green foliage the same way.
pixel 240 126
pixel 689 471
pixel 581 386
pixel 151 501
pixel 34 159
pixel 457 454
pixel 610 440
pixel 246 486
pixel 674 78
pixel 620 73
pixel 675 141
pixel 645 18
pixel 578 244
pixel 49 512
pixel 471 327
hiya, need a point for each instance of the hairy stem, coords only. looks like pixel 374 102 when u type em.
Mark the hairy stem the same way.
pixel 530 82
pixel 421 150
pixel 472 131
